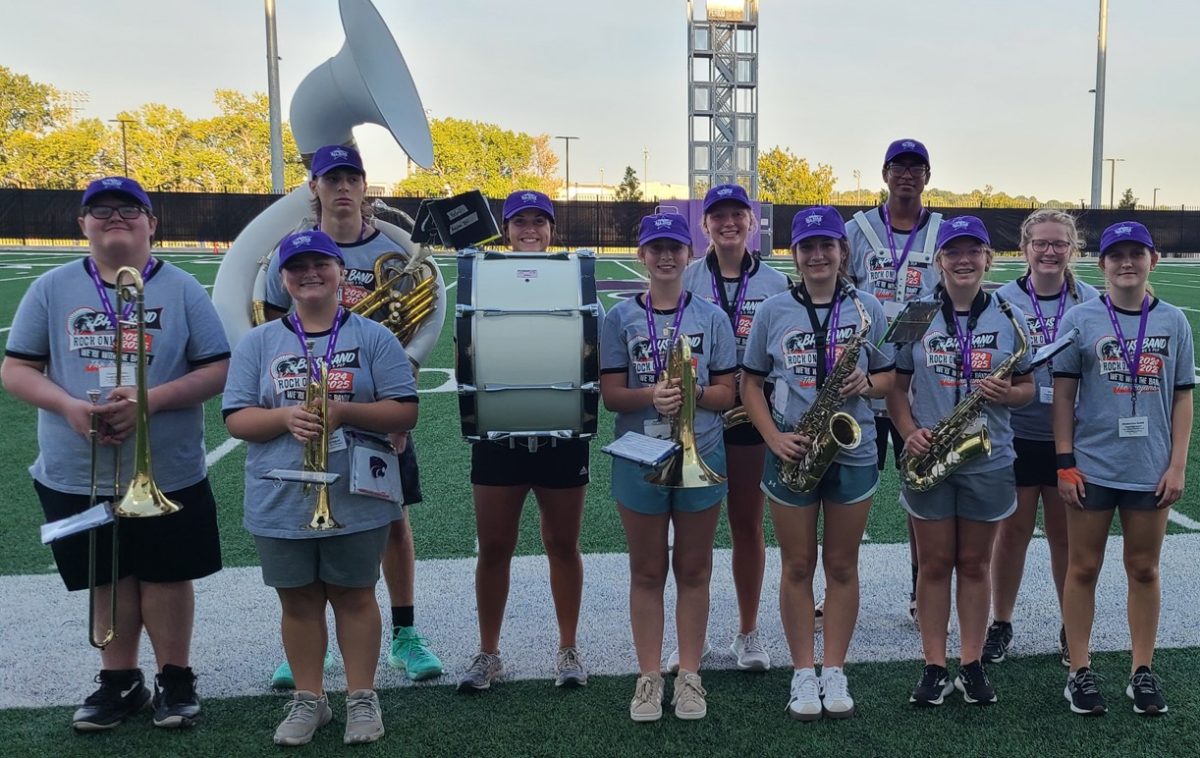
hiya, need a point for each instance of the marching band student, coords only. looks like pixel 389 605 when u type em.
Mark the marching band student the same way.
pixel 1131 373
pixel 59 348
pixel 634 350
pixel 339 186
pixel 1047 290
pixel 502 475
pixel 731 277
pixel 371 393
pixel 797 340
pixel 955 521
pixel 891 257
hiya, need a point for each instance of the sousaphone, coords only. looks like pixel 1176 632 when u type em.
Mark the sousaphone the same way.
pixel 367 82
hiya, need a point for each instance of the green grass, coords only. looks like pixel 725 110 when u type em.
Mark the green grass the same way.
pixel 745 717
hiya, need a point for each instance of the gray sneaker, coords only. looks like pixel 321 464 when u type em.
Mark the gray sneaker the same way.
pixel 364 719
pixel 689 697
pixel 306 713
pixel 647 698
pixel 483 669
pixel 750 652
pixel 569 667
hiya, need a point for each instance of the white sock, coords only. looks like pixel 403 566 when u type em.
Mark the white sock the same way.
pixel 802 672
pixel 828 670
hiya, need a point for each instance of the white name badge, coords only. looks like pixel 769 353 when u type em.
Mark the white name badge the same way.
pixel 337 440
pixel 658 428
pixel 1046 395
pixel 108 376
pixel 1133 426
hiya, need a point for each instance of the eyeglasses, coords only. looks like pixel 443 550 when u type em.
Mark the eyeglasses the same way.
pixel 1040 246
pixel 896 170
pixel 103 212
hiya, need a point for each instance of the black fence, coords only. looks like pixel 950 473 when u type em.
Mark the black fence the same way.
pixel 34 216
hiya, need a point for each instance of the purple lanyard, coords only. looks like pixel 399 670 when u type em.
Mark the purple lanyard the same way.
pixel 314 373
pixel 964 345
pixel 831 334
pixel 1047 332
pixel 891 238
pixel 660 360
pixel 1134 363
pixel 718 287
pixel 102 291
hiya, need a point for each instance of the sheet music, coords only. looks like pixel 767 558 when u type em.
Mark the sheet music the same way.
pixel 1046 352
pixel 94 517
pixel 643 449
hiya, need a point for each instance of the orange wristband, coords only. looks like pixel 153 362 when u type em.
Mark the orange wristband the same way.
pixel 1071 476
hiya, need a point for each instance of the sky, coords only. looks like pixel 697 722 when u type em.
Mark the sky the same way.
pixel 997 89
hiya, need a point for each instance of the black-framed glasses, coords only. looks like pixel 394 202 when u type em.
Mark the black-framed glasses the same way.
pixel 103 212
pixel 896 170
pixel 1041 246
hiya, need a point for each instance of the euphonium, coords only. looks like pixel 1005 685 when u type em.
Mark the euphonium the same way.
pixel 953 442
pixel 406 294
pixel 316 452
pixel 684 469
pixel 828 427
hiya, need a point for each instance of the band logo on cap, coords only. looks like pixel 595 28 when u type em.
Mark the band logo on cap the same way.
pixel 301 239
pixel 813 219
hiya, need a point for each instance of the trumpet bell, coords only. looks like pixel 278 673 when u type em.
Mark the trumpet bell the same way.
pixel 143 499
pixel 322 518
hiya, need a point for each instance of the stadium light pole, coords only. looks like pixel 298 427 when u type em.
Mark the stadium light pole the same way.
pixel 1154 202
pixel 273 100
pixel 1098 129
pixel 567 160
pixel 1112 179
pixel 124 147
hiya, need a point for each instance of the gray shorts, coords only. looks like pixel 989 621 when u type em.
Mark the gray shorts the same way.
pixel 343 560
pixel 981 496
pixel 1097 497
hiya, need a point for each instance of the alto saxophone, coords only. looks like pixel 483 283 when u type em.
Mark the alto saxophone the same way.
pixel 952 441
pixel 830 428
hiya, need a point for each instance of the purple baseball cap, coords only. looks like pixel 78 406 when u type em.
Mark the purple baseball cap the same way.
pixel 722 192
pixel 522 200
pixel 329 157
pixel 119 185
pixel 664 225
pixel 314 241
pixel 819 220
pixel 1125 231
pixel 902 146
pixel 962 226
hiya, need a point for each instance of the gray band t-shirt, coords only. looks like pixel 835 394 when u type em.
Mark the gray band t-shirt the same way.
pixel 1167 364
pixel 625 349
pixel 762 282
pixel 360 281
pixel 872 269
pixel 783 348
pixel 269 370
pixel 62 322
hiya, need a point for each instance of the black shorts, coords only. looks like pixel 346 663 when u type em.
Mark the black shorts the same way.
pixel 1035 465
pixel 745 434
pixel 559 466
pixel 1097 497
pixel 884 429
pixel 172 548
pixel 410 474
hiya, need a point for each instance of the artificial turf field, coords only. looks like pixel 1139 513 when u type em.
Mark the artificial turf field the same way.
pixel 745 712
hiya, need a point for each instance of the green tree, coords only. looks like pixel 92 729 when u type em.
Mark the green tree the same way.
pixel 64 158
pixel 629 188
pixel 1127 202
pixel 28 106
pixel 786 179
pixel 478 155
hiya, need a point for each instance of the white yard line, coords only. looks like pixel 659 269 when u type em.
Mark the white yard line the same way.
pixel 220 451
pixel 630 270
pixel 1185 521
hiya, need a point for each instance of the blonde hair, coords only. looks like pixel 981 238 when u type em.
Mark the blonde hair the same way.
pixel 1074 236
pixel 938 255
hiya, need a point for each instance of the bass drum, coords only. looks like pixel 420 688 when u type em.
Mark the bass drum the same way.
pixel 526 335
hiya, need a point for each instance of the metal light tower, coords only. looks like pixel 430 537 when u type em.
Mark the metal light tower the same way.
pixel 276 120
pixel 722 94
pixel 1098 126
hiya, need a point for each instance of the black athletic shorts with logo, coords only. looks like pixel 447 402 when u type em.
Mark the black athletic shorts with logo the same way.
pixel 1035 465
pixel 172 548
pixel 559 466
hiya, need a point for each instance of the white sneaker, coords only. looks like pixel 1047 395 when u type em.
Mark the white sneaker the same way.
pixel 819 616
pixel 750 652
pixel 805 701
pixel 673 658
pixel 835 693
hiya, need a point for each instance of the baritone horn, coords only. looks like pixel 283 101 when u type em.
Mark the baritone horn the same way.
pixel 405 295
pixel 685 469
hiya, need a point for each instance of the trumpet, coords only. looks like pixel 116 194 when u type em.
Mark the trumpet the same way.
pixel 684 469
pixel 316 452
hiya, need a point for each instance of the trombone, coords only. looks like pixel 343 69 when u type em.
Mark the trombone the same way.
pixel 143 498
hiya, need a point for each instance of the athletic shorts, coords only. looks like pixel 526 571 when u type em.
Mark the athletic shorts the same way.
pixel 173 548
pixel 840 484
pixel 1097 497
pixel 745 434
pixel 410 474
pixel 555 465
pixel 884 429
pixel 343 560
pixel 980 496
pixel 630 488
pixel 1035 463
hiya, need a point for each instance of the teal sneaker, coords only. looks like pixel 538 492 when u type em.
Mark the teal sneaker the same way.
pixel 282 678
pixel 410 653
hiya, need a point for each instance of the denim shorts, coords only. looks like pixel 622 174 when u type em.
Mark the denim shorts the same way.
pixel 977 496
pixel 841 484
pixel 630 488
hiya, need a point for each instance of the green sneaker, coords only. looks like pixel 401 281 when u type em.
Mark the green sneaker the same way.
pixel 282 678
pixel 410 652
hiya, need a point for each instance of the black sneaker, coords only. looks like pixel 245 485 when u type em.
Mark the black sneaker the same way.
pixel 121 694
pixel 972 681
pixel 1146 692
pixel 998 642
pixel 1083 694
pixel 175 701
pixel 1065 656
pixel 933 687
